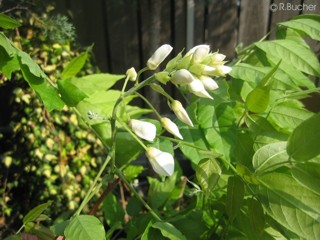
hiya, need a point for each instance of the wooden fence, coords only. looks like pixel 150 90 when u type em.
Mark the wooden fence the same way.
pixel 121 29
pixel 126 32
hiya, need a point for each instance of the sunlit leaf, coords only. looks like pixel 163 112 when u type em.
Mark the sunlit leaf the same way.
pixel 85 227
pixel 33 214
pixel 169 231
pixel 74 66
pixel 7 22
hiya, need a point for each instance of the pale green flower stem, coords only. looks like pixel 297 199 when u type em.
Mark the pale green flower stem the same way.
pixel 111 155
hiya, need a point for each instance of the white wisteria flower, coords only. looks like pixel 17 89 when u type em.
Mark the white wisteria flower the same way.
pixel 196 87
pixel 158 56
pixel 209 83
pixel 161 162
pixel 131 74
pixel 171 127
pixel 182 76
pixel 180 112
pixel 223 70
pixel 200 53
pixel 144 130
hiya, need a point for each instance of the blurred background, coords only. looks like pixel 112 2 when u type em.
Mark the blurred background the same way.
pixel 47 156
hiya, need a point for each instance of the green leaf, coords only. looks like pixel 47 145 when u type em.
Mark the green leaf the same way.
pixel 112 210
pixel 169 231
pixel 290 204
pixel 7 22
pixel 34 69
pixel 132 171
pixel 14 237
pixel 218 124
pixel 235 195
pixel 308 175
pixel 33 214
pixel 70 93
pixel 74 66
pixel 192 224
pixel 7 45
pixel 96 82
pixel 293 54
pixel 288 115
pixel 309 24
pixel 256 217
pixel 160 192
pixel 208 173
pixel 257 100
pixel 270 157
pixel 44 89
pixel 303 143
pixel 40 231
pixel 290 34
pixel 85 227
pixel 195 137
pixel 8 64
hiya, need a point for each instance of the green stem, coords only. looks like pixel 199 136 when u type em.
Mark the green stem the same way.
pixel 89 193
pixel 150 105
pixel 132 134
pixel 122 177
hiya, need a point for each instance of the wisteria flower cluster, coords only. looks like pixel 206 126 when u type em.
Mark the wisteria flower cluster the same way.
pixel 196 70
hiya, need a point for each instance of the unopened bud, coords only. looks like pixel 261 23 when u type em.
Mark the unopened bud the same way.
pixel 132 74
pixel 197 88
pixel 200 53
pixel 223 70
pixel 161 162
pixel 182 76
pixel 158 56
pixel 142 129
pixel 171 127
pixel 180 112
pixel 209 83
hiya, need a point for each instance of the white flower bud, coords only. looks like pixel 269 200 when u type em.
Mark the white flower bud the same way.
pixel 218 57
pixel 158 56
pixel 192 50
pixel 161 162
pixel 171 127
pixel 200 53
pixel 180 112
pixel 182 76
pixel 208 70
pixel 132 74
pixel 142 129
pixel 197 88
pixel 209 83
pixel 223 70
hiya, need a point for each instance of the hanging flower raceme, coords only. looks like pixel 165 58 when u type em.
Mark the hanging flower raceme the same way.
pixel 161 162
pixel 171 127
pixel 180 112
pixel 159 55
pixel 142 129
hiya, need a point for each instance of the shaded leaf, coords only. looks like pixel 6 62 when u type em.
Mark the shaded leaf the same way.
pixel 235 194
pixel 256 217
pixel 169 231
pixel 303 143
pixel 33 214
